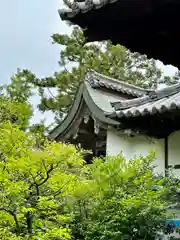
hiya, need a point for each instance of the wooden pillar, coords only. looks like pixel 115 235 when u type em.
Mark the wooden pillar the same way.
pixel 166 154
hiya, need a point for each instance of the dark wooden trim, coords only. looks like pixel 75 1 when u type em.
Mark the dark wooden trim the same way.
pixel 166 153
pixel 76 107
pixel 177 166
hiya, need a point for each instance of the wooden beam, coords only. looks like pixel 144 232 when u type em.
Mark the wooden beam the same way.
pixel 177 166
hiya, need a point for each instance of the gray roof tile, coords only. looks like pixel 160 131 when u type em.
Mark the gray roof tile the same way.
pixel 97 80
pixel 102 99
pixel 102 104
pixel 160 101
pixel 82 7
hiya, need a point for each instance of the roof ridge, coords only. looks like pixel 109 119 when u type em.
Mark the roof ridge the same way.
pixel 99 80
pixel 169 90
pixel 152 96
pixel 118 81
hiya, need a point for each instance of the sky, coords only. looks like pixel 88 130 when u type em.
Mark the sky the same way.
pixel 26 29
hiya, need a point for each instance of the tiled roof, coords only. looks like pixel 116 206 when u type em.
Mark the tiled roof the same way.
pixel 98 80
pixel 94 93
pixel 155 102
pixel 106 106
pixel 82 7
pixel 98 103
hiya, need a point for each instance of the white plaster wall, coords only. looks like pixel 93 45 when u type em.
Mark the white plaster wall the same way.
pixel 142 145
pixel 116 143
pixel 174 148
pixel 135 146
pixel 174 151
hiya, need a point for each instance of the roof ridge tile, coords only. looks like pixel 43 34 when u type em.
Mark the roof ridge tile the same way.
pixel 98 80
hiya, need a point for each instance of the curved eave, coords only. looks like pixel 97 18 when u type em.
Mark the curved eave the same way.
pixel 58 130
pixel 96 112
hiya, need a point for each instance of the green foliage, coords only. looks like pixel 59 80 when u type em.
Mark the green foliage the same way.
pixel 44 194
pixel 19 90
pixel 39 130
pixel 34 185
pixel 18 113
pixel 14 101
pixel 47 193
pixel 76 58
pixel 120 200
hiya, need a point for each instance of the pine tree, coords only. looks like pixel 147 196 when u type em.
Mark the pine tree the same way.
pixel 76 58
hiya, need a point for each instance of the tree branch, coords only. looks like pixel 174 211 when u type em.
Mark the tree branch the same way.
pixel 12 213
pixel 29 220
pixel 47 174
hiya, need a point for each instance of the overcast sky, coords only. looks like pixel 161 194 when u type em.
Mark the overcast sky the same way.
pixel 26 27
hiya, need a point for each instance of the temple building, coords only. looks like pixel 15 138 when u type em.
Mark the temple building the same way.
pixel 109 116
